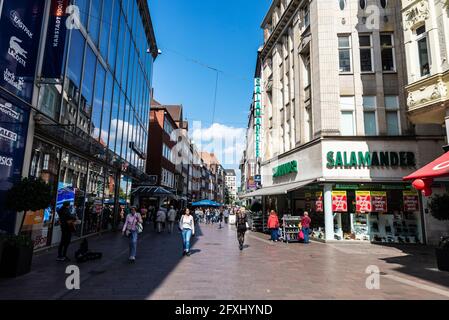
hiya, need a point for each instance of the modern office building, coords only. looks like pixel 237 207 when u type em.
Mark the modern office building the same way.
pixel 88 129
pixel 336 140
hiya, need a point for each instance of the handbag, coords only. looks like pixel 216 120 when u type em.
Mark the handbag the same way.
pixel 139 227
pixel 301 235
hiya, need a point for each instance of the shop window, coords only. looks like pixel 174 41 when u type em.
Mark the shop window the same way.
pixel 366 53
pixel 392 115
pixel 423 51
pixel 342 4
pixel 369 115
pixel 347 119
pixel 344 50
pixel 387 48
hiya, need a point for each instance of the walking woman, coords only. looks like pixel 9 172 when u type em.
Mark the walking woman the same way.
pixel 273 225
pixel 240 222
pixel 130 230
pixel 187 226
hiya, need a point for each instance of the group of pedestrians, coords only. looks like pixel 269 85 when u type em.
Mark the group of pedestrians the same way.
pixel 273 225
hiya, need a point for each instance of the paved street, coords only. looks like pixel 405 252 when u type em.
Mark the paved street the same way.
pixel 218 270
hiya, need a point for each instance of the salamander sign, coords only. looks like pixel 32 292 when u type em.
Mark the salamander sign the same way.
pixel 348 160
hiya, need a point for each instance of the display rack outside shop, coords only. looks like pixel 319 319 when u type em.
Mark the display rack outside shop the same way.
pixel 290 228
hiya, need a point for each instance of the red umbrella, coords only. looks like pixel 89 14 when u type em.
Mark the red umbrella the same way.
pixel 423 178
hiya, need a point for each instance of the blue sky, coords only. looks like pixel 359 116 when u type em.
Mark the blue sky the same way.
pixel 193 34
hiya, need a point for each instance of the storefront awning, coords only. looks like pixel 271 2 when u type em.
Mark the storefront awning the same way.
pixel 153 191
pixel 278 190
pixel 435 169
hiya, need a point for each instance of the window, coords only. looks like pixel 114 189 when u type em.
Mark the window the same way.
pixel 166 152
pixel 392 115
pixel 383 3
pixel 94 20
pixel 76 57
pixel 362 4
pixel 347 124
pixel 369 115
pixel 387 46
pixel 366 53
pixel 168 128
pixel 342 4
pixel 306 16
pixel 344 50
pixel 98 102
pixel 423 51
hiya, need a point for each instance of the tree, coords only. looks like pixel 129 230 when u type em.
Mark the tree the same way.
pixel 439 206
pixel 29 194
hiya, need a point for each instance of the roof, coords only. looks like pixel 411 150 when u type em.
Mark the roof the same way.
pixel 209 158
pixel 175 111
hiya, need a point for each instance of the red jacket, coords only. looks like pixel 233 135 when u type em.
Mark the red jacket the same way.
pixel 273 221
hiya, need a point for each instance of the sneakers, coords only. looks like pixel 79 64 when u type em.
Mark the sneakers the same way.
pixel 241 247
pixel 188 253
pixel 132 259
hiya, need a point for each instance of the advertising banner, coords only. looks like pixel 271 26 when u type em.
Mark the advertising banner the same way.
pixel 56 39
pixel 379 201
pixel 319 202
pixel 20 25
pixel 13 133
pixel 363 202
pixel 411 201
pixel 339 201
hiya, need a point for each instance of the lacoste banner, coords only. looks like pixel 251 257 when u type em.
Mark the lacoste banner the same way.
pixel 339 201
pixel 20 25
pixel 363 201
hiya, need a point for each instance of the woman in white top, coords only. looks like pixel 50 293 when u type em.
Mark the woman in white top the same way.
pixel 187 226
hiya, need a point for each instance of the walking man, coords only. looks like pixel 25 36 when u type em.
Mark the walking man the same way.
pixel 171 217
pixel 161 217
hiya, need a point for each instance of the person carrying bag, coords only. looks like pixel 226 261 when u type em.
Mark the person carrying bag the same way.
pixel 132 227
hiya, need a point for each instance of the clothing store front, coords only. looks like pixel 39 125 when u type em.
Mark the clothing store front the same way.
pixel 97 193
pixel 353 190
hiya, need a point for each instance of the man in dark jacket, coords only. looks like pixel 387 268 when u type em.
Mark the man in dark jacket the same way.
pixel 67 222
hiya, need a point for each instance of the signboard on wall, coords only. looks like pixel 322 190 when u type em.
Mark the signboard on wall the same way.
pixel 319 202
pixel 13 134
pixel 257 115
pixel 56 39
pixel 20 25
pixel 339 201
pixel 411 201
pixel 379 201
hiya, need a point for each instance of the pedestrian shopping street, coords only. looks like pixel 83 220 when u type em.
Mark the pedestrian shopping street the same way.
pixel 218 270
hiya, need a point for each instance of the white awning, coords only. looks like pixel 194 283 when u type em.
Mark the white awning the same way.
pixel 278 190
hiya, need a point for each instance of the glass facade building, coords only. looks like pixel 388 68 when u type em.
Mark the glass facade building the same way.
pixel 90 142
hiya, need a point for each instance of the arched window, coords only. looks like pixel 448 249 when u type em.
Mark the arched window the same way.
pixel 362 4
pixel 342 4
pixel 383 3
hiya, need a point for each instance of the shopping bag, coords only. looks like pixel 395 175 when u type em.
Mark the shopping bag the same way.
pixel 301 235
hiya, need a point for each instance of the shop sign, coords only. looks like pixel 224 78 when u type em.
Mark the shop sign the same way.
pixel 285 169
pixel 363 201
pixel 348 160
pixel 56 38
pixel 257 115
pixel 411 201
pixel 319 202
pixel 379 201
pixel 339 201
pixel 20 23
pixel 13 133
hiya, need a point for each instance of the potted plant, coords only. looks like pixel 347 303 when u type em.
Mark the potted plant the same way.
pixel 439 207
pixel 26 195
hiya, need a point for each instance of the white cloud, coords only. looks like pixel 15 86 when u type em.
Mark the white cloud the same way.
pixel 226 142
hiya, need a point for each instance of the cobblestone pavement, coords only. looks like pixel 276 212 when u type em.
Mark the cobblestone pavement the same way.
pixel 218 270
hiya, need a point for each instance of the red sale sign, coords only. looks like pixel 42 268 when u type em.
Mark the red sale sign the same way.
pixel 339 201
pixel 379 201
pixel 411 201
pixel 363 202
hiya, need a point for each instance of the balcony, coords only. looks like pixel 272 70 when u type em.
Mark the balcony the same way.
pixel 428 99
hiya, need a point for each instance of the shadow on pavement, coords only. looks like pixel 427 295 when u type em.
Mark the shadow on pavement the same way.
pixel 419 262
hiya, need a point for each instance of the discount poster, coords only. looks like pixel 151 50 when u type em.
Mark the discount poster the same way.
pixel 363 202
pixel 339 201
pixel 411 201
pixel 319 202
pixel 379 201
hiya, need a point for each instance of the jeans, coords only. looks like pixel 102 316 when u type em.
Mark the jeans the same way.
pixel 274 234
pixel 306 234
pixel 159 227
pixel 66 238
pixel 186 235
pixel 133 244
